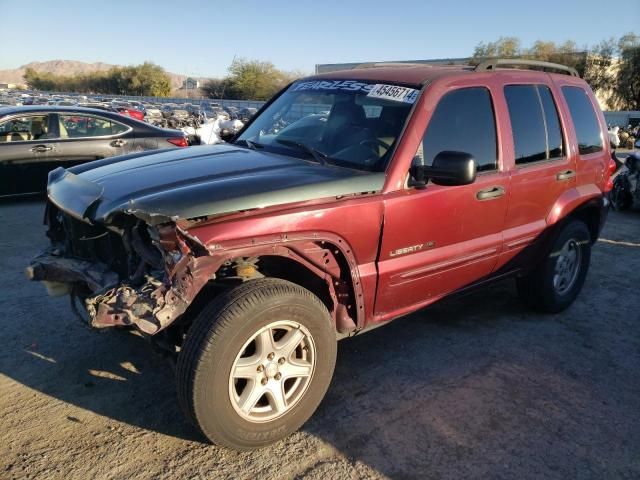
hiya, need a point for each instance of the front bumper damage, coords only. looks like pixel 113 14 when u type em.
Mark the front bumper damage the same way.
pixel 150 297
pixel 150 307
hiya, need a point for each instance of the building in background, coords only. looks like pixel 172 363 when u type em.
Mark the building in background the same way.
pixel 190 84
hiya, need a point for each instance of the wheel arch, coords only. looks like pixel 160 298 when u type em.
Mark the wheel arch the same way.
pixel 324 265
pixel 586 203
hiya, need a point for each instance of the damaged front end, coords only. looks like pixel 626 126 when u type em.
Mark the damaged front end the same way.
pixel 125 272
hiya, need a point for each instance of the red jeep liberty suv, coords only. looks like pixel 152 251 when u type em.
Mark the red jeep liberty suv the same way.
pixel 352 198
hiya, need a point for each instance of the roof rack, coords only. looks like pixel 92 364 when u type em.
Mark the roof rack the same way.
pixel 494 63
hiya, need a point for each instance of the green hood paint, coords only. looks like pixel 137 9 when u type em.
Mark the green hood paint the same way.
pixel 199 181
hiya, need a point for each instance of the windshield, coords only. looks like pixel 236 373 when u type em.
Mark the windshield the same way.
pixel 345 122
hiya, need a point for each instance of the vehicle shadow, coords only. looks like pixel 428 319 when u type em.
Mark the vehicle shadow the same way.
pixel 115 374
pixel 389 405
pixel 120 375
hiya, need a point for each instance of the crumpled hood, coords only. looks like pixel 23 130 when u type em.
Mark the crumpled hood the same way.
pixel 198 181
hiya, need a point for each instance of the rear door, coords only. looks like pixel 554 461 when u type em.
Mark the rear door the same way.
pixel 589 131
pixel 438 239
pixel 542 167
pixel 28 150
pixel 84 138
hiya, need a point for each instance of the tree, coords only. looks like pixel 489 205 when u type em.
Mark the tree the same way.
pixel 215 88
pixel 503 47
pixel 598 69
pixel 250 80
pixel 627 91
pixel 611 68
pixel 253 80
pixel 146 79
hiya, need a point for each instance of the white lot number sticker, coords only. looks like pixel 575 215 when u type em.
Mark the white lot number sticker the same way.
pixel 394 93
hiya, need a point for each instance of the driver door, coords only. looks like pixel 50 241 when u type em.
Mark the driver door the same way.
pixel 438 239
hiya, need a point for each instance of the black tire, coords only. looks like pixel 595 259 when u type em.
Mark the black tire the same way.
pixel 537 289
pixel 621 198
pixel 217 337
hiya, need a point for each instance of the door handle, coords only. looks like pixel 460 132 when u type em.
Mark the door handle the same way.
pixel 565 175
pixel 41 148
pixel 489 193
pixel 118 143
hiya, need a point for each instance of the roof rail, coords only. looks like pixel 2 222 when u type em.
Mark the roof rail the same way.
pixel 494 63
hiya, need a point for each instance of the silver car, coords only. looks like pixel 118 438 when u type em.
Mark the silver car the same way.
pixel 36 139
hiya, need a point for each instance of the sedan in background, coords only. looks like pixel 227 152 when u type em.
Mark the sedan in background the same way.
pixel 129 112
pixel 36 139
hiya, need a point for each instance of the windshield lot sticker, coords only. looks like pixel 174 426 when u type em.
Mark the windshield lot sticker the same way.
pixel 345 85
pixel 394 93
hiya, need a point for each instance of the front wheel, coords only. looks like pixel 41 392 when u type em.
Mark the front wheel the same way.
pixel 256 363
pixel 557 281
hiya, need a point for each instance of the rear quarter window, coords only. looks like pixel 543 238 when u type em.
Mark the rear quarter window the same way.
pixel 584 120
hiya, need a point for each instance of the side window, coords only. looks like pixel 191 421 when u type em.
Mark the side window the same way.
pixel 82 126
pixel 534 123
pixel 24 129
pixel 584 120
pixel 463 121
pixel 117 128
pixel 552 122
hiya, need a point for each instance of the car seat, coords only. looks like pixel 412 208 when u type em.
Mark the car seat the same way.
pixel 346 126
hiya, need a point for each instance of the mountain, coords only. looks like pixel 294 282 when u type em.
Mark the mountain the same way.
pixel 71 67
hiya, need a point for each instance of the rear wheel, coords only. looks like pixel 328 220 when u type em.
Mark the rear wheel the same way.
pixel 256 363
pixel 557 281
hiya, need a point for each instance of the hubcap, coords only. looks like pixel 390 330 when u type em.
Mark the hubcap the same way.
pixel 272 371
pixel 567 267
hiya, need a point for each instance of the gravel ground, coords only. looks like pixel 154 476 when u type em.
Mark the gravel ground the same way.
pixel 476 387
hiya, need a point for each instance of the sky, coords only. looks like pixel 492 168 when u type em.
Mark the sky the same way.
pixel 202 38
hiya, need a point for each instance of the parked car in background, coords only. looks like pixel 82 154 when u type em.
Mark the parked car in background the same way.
pixel 36 139
pixel 129 112
pixel 62 103
pixel 246 114
pixel 98 105
pixel 233 112
pixel 137 105
pixel 152 114
pixel 167 109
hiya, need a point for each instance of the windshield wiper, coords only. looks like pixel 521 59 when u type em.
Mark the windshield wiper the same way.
pixel 316 154
pixel 249 143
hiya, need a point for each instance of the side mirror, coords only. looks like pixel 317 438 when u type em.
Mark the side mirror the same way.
pixel 449 168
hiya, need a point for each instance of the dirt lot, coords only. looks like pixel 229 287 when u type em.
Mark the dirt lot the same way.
pixel 472 388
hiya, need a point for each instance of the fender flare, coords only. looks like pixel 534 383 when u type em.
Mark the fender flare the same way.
pixel 571 200
pixel 305 248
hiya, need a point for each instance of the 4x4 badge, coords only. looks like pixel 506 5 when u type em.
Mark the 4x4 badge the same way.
pixel 412 249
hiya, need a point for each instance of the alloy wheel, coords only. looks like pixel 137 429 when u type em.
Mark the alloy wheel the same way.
pixel 272 371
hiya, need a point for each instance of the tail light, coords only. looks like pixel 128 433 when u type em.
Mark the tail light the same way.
pixel 178 141
pixel 611 168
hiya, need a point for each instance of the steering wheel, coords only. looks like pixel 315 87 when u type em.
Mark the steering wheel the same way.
pixel 374 143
